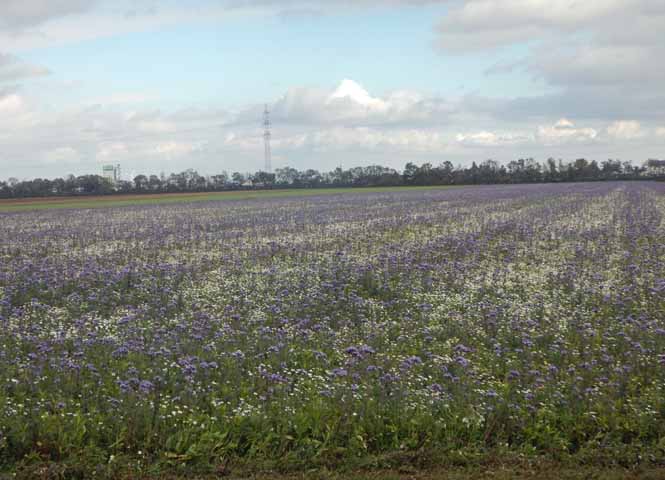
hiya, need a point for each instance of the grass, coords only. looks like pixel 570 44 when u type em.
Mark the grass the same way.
pixel 49 203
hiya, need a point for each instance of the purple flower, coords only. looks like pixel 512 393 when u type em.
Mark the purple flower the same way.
pixel 146 386
pixel 410 362
pixel 339 372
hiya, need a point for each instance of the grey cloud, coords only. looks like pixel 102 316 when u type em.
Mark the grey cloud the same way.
pixel 594 103
pixel 601 65
pixel 19 14
pixel 137 12
pixel 602 57
pixel 488 24
pixel 16 15
pixel 504 67
pixel 7 90
pixel 12 69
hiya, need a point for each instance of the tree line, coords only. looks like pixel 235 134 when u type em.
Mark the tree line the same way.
pixel 524 170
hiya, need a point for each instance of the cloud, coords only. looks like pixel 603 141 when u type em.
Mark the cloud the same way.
pixel 13 69
pixel 61 156
pixel 49 23
pixel 156 125
pixel 111 152
pixel 348 121
pixel 350 103
pixel 354 92
pixel 625 130
pixel 600 56
pixel 16 15
pixel 11 105
pixel 175 148
pixel 338 139
pixel 27 24
pixel 599 65
pixel 313 128
pixel 492 139
pixel 36 138
pixel 491 24
pixel 565 131
pixel 15 112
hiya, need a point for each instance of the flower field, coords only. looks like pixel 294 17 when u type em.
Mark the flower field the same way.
pixel 305 331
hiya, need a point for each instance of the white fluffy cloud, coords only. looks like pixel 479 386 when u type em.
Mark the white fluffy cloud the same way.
pixel 11 105
pixel 565 131
pixel 625 130
pixel 562 133
pixel 351 103
pixel 175 148
pixel 492 139
pixel 339 139
pixel 16 114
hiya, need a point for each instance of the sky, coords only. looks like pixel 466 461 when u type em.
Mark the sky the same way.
pixel 162 86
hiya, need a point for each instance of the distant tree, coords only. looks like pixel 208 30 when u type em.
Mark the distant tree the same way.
pixel 124 186
pixel 238 178
pixel 92 185
pixel 627 169
pixel 593 171
pixel 179 181
pixel 154 183
pixel 552 173
pixel 141 183
pixel 410 173
pixel 532 171
pixel 311 178
pixel 199 183
pixel 287 176
pixel 264 178
pixel 487 172
pixel 611 168
pixel 445 173
pixel 218 182
pixel 58 186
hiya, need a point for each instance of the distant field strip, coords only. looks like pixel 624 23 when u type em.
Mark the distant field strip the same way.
pixel 25 204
